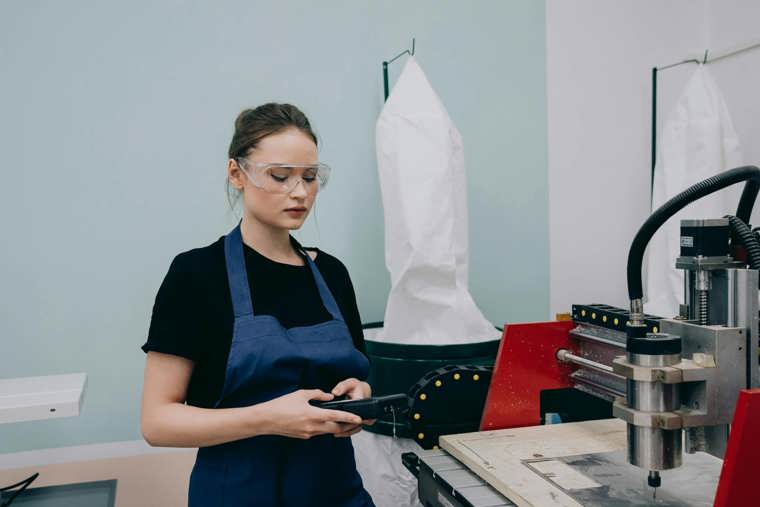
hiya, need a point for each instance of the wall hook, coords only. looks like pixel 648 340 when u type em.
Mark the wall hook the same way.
pixel 385 65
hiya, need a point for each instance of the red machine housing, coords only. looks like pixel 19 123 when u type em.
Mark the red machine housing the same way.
pixel 737 486
pixel 526 364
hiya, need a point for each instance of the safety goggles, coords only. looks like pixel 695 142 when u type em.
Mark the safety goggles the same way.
pixel 284 178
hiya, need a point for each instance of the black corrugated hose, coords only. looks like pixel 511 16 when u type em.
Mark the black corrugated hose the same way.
pixel 742 232
pixel 750 174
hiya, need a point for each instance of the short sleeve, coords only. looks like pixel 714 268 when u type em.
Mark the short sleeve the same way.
pixel 346 298
pixel 176 324
pixel 353 320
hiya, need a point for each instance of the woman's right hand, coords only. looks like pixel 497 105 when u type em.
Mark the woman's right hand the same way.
pixel 291 415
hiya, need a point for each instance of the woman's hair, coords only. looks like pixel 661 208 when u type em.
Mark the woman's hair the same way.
pixel 253 125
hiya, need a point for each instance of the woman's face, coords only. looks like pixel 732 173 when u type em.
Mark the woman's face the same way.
pixel 277 210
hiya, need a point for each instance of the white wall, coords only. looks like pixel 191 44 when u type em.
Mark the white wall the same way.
pixel 599 61
pixel 733 24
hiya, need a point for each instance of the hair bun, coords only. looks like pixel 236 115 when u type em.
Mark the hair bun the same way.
pixel 252 125
pixel 242 118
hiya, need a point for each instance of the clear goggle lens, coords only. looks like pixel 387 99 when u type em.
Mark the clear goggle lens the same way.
pixel 283 178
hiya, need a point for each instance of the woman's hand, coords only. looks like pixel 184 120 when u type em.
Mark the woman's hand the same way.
pixel 292 416
pixel 354 389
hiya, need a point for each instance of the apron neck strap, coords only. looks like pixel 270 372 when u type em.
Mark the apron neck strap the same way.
pixel 324 291
pixel 240 289
pixel 237 275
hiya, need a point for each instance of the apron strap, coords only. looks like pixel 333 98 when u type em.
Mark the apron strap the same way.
pixel 324 291
pixel 237 274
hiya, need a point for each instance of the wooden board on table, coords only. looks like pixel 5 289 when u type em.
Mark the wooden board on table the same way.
pixel 499 456
pixel 579 464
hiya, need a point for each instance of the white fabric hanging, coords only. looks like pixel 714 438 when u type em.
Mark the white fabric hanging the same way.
pixel 386 479
pixel 698 141
pixel 420 160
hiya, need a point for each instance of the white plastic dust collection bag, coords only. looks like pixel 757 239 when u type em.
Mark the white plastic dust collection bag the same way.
pixel 420 160
pixel 698 141
pixel 378 460
pixel 422 178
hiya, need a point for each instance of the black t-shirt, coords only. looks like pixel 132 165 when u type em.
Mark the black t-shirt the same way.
pixel 192 315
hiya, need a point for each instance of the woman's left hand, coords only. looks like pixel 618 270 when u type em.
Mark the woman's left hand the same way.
pixel 354 389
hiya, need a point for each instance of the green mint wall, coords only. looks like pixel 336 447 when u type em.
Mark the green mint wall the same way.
pixel 114 124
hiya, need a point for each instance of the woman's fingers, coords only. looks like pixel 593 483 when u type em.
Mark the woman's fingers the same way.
pixel 353 388
pixel 338 429
pixel 349 430
pixel 345 435
pixel 316 394
pixel 344 386
pixel 339 416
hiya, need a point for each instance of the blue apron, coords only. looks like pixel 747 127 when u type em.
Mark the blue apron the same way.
pixel 267 360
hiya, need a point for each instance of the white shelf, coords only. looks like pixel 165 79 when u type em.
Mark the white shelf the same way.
pixel 36 398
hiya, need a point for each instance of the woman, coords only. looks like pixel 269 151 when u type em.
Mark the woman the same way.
pixel 246 331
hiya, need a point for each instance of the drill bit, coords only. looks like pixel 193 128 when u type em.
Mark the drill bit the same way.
pixel 654 481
